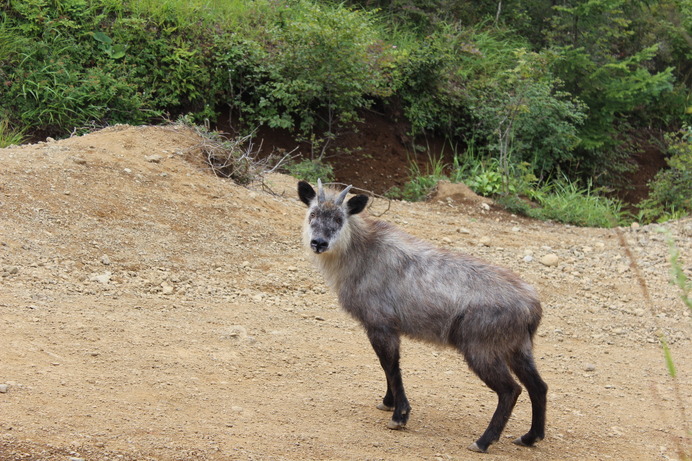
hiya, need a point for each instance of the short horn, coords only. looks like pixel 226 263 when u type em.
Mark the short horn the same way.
pixel 320 192
pixel 342 195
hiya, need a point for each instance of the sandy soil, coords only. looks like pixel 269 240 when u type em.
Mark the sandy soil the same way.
pixel 151 311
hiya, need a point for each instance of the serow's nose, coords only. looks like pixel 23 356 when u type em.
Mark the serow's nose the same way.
pixel 318 245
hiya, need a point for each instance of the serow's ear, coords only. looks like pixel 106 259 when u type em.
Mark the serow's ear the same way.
pixel 305 192
pixel 357 204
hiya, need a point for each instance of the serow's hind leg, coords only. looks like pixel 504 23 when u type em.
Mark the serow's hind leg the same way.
pixel 497 377
pixel 522 364
pixel 385 342
pixel 387 403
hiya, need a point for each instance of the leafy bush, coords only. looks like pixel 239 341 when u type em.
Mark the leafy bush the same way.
pixel 323 64
pixel 671 189
pixel 311 171
pixel 525 117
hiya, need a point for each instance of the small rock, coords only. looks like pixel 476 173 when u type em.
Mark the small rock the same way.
pixel 634 226
pixel 485 241
pixel 49 139
pixel 4 388
pixel 153 158
pixel 463 230
pixel 79 160
pixel 550 260
pixel 101 278
pixel 235 332
pixel 590 367
pixel 446 240
pixel 105 260
pixel 528 258
pixel 292 269
pixel 485 207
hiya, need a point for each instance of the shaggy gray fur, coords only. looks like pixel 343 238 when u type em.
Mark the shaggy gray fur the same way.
pixel 395 284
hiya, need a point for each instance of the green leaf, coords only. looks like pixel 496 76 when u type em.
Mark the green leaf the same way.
pixel 118 51
pixel 102 38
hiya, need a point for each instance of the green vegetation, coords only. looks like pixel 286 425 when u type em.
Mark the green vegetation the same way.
pixel 671 189
pixel 536 91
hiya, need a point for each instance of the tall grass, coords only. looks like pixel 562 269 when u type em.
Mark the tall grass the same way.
pixel 8 136
pixel 568 202
pixel 188 13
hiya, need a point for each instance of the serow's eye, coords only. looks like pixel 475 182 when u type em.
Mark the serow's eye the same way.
pixel 339 220
pixel 312 215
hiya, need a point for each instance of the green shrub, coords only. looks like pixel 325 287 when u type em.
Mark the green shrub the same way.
pixel 670 193
pixel 323 63
pixel 311 171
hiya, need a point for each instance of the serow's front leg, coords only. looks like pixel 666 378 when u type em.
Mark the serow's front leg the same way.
pixel 385 342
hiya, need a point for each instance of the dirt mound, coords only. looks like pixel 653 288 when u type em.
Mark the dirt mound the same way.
pixel 458 193
pixel 151 311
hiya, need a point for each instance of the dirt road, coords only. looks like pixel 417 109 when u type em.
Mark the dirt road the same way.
pixel 151 311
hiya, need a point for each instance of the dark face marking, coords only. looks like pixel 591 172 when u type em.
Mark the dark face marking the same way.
pixel 325 223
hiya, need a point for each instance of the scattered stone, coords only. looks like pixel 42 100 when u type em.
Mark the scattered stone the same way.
pixel 292 269
pixel 49 139
pixel 153 158
pixel 463 230
pixel 485 207
pixel 550 260
pixel 10 270
pixel 634 226
pixel 4 388
pixel 105 260
pixel 590 367
pixel 101 278
pixel 446 240
pixel 79 160
pixel 234 332
pixel 528 258
pixel 485 241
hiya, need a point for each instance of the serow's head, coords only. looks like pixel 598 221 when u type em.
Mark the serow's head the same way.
pixel 328 216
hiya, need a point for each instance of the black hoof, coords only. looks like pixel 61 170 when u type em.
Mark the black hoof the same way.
pixel 526 443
